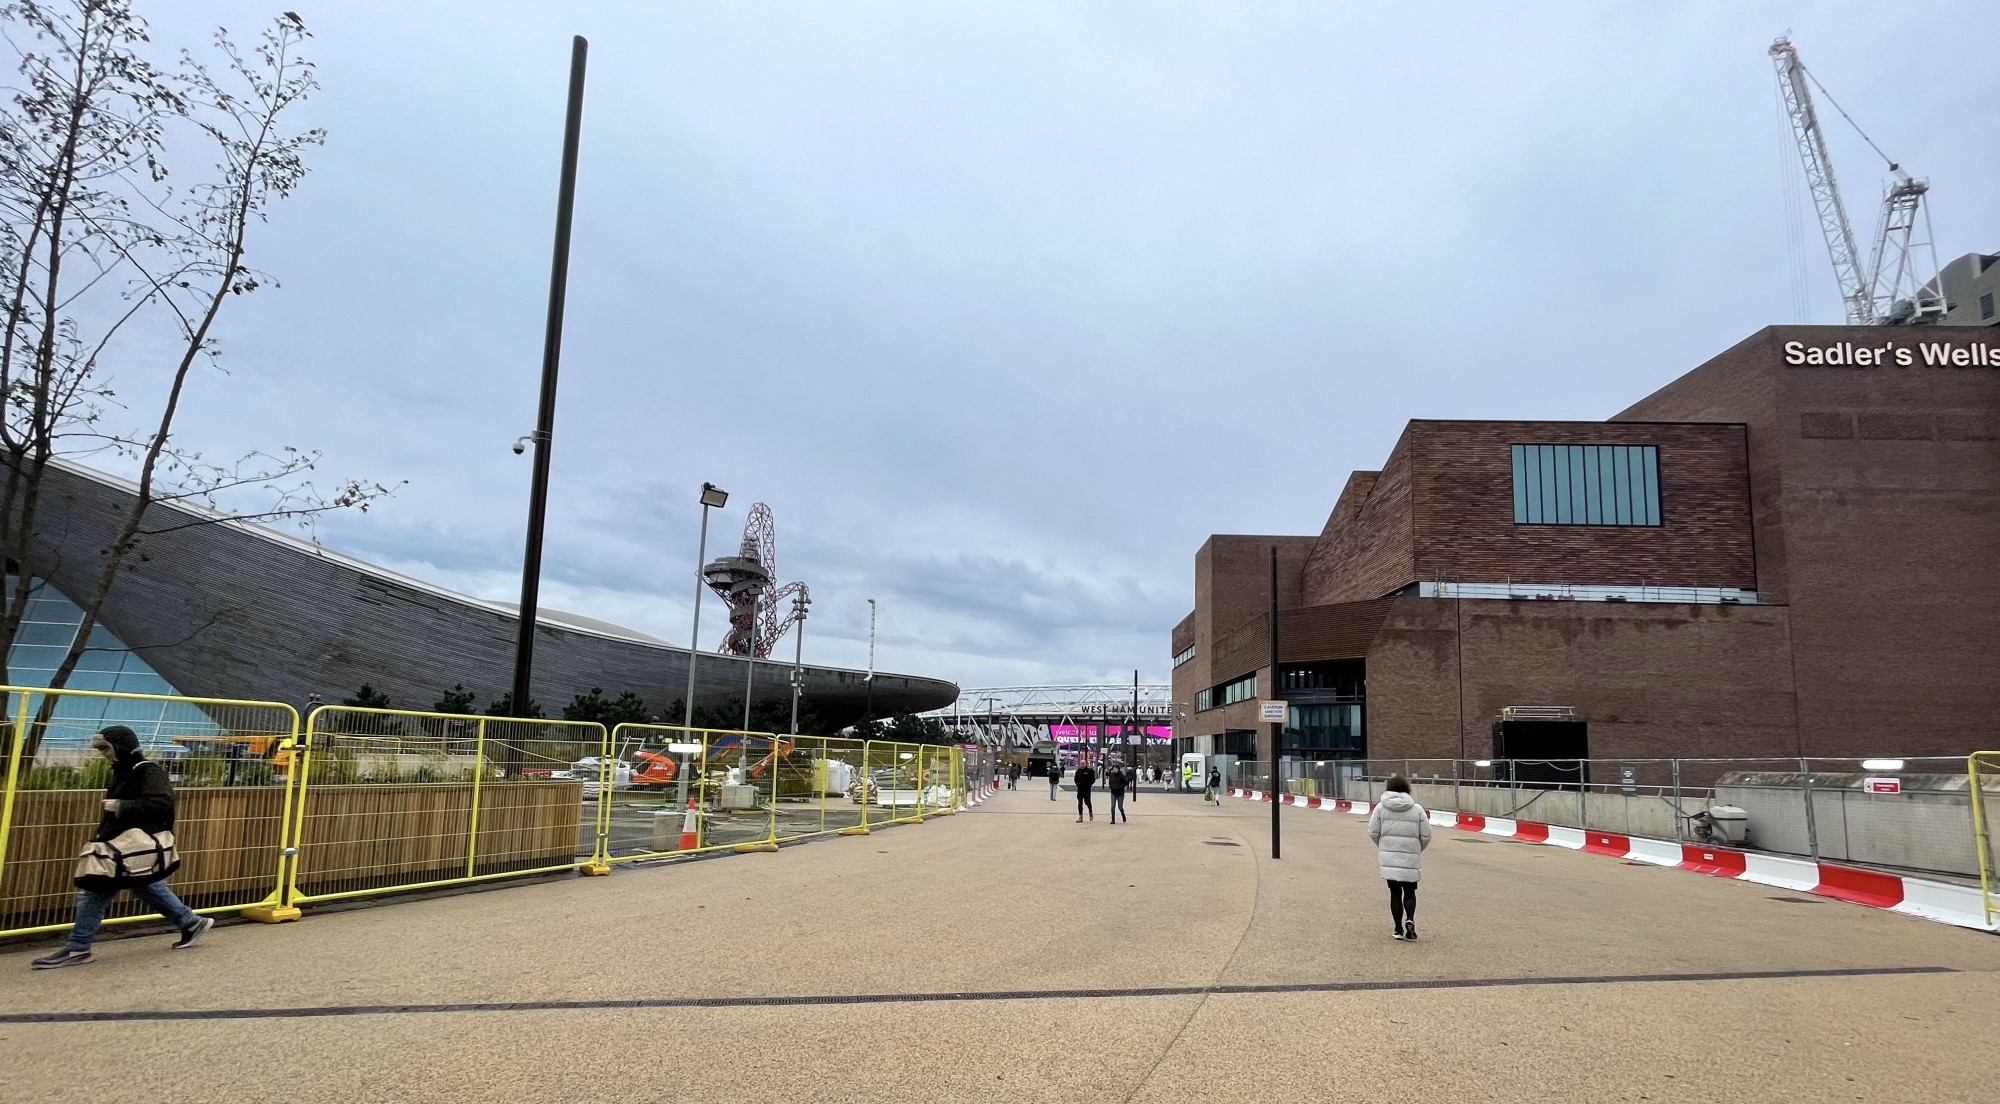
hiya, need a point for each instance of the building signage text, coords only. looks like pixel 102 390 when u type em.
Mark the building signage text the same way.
pixel 1868 354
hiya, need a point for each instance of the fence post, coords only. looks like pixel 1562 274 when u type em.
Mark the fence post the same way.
pixel 1678 811
pixel 1513 790
pixel 1457 802
pixel 861 829
pixel 1805 788
pixel 278 907
pixel 1582 795
pixel 478 776
pixel 600 856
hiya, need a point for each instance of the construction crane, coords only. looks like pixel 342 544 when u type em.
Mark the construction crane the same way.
pixel 1892 288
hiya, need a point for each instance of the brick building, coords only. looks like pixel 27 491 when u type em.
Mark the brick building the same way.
pixel 1794 549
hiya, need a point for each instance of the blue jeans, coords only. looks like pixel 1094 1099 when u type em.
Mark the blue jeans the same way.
pixel 91 905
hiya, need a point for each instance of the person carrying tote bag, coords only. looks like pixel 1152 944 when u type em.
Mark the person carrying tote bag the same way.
pixel 133 848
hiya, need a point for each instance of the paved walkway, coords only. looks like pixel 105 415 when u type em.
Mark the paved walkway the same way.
pixel 1012 954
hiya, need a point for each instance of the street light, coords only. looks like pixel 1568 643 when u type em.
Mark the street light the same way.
pixel 711 496
pixel 868 711
pixel 799 604
pixel 752 589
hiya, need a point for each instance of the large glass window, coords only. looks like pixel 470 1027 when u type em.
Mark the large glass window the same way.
pixel 1586 485
pixel 47 629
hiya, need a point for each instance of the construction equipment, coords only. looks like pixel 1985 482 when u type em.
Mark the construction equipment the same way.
pixel 1898 284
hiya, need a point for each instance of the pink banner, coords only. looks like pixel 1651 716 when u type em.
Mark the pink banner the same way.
pixel 1080 734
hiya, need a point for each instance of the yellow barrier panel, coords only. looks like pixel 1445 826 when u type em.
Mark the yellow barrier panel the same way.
pixel 1983 828
pixel 686 791
pixel 231 765
pixel 392 800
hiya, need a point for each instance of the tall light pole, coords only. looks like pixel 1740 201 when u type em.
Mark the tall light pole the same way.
pixel 715 497
pixel 868 712
pixel 998 751
pixel 799 604
pixel 545 419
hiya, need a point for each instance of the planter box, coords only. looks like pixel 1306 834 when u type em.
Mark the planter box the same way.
pixel 355 837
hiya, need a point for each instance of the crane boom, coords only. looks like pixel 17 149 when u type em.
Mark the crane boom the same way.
pixel 1856 289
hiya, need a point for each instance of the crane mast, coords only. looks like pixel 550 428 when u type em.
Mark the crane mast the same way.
pixel 1890 288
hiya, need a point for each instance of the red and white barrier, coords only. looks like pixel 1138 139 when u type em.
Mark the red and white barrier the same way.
pixel 1944 902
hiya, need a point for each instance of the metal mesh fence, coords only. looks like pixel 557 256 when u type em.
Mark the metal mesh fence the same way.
pixel 1904 814
pixel 394 799
pixel 228 761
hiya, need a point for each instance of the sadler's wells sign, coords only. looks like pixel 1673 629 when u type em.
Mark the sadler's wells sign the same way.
pixel 1900 354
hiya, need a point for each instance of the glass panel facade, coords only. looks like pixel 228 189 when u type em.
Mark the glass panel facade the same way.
pixel 1586 485
pixel 46 633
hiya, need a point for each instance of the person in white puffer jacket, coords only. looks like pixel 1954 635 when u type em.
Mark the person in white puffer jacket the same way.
pixel 1401 830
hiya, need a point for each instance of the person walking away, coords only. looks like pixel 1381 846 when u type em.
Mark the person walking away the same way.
pixel 1084 778
pixel 1401 830
pixel 1055 778
pixel 1013 775
pixel 1212 791
pixel 1132 776
pixel 1115 781
pixel 133 848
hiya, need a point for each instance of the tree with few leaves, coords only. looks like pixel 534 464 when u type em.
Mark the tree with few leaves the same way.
pixel 128 196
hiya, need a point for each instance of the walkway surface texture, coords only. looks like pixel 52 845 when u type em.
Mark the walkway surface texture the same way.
pixel 1012 954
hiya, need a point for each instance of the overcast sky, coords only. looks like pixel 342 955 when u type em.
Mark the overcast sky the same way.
pixel 1003 308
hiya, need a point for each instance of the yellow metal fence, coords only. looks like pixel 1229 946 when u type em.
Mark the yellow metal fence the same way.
pixel 1981 767
pixel 274 812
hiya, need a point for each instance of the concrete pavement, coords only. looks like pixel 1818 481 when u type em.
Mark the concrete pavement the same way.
pixel 943 962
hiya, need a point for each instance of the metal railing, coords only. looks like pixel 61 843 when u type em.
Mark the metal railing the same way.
pixel 357 802
pixel 1912 813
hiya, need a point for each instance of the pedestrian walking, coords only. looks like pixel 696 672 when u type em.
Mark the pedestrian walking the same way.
pixel 133 848
pixel 1084 778
pixel 1132 777
pixel 1115 780
pixel 1013 775
pixel 1212 791
pixel 1055 778
pixel 1401 830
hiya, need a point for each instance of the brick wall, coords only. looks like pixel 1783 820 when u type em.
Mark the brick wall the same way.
pixel 1463 508
pixel 1365 550
pixel 1653 680
pixel 1877 501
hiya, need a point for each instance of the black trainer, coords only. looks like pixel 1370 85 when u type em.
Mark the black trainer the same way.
pixel 1410 930
pixel 64 957
pixel 189 935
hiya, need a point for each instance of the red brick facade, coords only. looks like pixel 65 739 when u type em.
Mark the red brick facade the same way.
pixel 1861 505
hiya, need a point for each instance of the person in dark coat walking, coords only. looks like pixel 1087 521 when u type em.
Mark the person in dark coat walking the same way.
pixel 1115 781
pixel 139 799
pixel 1013 774
pixel 1055 778
pixel 1085 778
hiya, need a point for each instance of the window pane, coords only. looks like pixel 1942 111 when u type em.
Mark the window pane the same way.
pixel 1548 466
pixel 1520 486
pixel 1650 469
pixel 101 661
pixel 1533 494
pixel 1563 514
pixel 42 632
pixel 1622 480
pixel 1607 491
pixel 1577 511
pixel 1593 487
pixel 31 658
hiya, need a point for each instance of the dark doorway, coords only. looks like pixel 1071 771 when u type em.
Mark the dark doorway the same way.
pixel 1545 753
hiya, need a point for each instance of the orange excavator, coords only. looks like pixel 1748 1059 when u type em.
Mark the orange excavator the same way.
pixel 661 768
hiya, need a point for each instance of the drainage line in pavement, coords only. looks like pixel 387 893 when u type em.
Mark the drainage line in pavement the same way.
pixel 157 1015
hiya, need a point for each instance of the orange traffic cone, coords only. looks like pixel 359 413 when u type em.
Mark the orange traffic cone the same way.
pixel 690 835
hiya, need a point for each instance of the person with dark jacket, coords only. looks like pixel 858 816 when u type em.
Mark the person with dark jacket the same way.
pixel 1212 792
pixel 1013 774
pixel 1055 778
pixel 138 800
pixel 1085 778
pixel 1115 781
